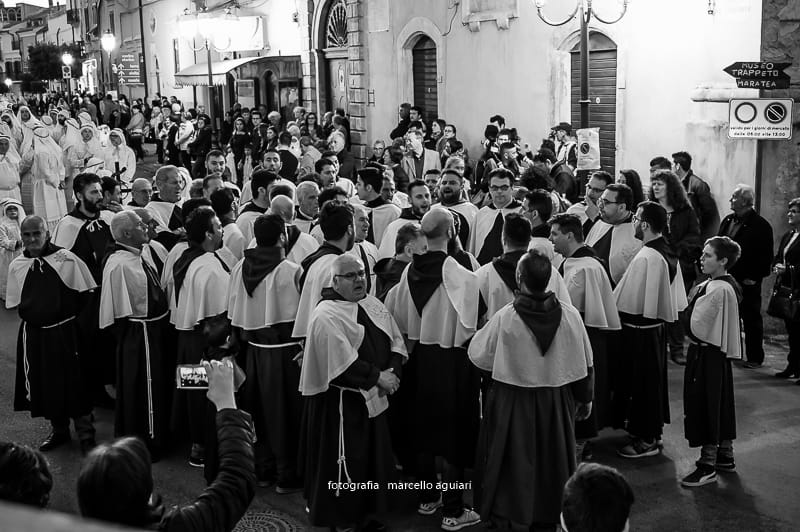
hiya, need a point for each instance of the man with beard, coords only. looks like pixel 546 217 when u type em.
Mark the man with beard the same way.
pixel 409 242
pixel 133 302
pixel 261 182
pixel 486 236
pixel 165 205
pixel 650 294
pixel 48 285
pixel 420 198
pixel 497 280
pixel 262 304
pixel 353 360
pixel 336 221
pixel 201 292
pixel 307 207
pixel 540 361
pixel 381 212
pixel 612 236
pixel 84 232
pixel 451 196
pixel 589 285
pixel 436 306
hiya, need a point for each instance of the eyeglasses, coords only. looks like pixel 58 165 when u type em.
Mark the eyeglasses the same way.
pixel 607 202
pixel 595 189
pixel 352 276
pixel 501 188
pixel 635 219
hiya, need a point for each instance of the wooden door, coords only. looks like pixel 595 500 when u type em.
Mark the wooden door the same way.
pixel 337 83
pixel 602 94
pixel 425 77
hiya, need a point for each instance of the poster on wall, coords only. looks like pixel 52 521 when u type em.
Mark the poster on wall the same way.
pixel 246 92
pixel 588 148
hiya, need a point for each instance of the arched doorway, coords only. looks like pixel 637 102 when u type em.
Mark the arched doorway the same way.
pixel 602 94
pixel 269 91
pixel 423 66
pixel 333 41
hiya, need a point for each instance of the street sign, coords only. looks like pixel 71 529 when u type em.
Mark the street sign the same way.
pixel 66 72
pixel 759 75
pixel 129 69
pixel 760 118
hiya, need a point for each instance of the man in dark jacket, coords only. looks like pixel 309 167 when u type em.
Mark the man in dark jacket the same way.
pixel 699 194
pixel 754 234
pixel 409 242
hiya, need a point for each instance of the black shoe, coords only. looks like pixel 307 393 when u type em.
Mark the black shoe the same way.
pixel 289 486
pixel 725 463
pixel 678 358
pixel 55 439
pixel 788 373
pixel 752 365
pixel 266 478
pixel 87 445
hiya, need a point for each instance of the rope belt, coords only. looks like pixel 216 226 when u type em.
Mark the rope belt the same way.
pixel 149 320
pixel 58 324
pixel 700 344
pixel 642 326
pixel 148 370
pixel 274 346
pixel 342 459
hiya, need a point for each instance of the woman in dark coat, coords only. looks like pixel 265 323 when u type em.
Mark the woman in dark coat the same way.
pixel 787 267
pixel 239 139
pixel 201 145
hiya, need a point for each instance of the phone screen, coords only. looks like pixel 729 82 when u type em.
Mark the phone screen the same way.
pixel 192 377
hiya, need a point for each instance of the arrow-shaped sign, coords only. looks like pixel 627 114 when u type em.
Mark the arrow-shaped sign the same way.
pixel 756 70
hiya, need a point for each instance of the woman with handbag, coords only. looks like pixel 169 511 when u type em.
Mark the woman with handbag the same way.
pixel 785 301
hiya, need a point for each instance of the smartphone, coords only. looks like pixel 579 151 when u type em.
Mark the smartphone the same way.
pixel 191 377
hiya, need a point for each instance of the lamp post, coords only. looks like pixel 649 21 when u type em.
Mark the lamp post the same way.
pixel 583 10
pixel 209 29
pixel 8 83
pixel 108 42
pixel 67 59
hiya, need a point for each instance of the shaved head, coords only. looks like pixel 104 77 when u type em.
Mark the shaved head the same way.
pixel 34 234
pixel 140 183
pixel 349 277
pixel 121 222
pixel 32 221
pixel 283 206
pixel 145 215
pixel 437 223
pixel 346 263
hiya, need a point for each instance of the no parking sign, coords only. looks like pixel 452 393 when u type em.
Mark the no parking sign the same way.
pixel 760 118
pixel 588 148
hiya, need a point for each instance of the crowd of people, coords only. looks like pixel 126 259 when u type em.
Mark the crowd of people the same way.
pixel 392 326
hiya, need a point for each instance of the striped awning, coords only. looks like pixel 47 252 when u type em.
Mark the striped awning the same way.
pixel 197 75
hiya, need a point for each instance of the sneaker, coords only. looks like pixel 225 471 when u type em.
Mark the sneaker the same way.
pixel 467 518
pixel 752 365
pixel 197 461
pixel 429 508
pixel 638 448
pixel 197 457
pixel 700 477
pixel 725 463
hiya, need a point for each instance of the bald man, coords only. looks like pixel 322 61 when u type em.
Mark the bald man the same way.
pixel 307 208
pixel 754 235
pixel 48 286
pixel 133 301
pixel 141 192
pixel 299 244
pixel 165 205
pixel 353 359
pixel 153 250
pixel 436 307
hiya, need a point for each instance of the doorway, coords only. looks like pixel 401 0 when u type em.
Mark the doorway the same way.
pixel 423 65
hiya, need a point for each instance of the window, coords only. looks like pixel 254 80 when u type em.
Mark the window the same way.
pixel 336 27
pixel 176 55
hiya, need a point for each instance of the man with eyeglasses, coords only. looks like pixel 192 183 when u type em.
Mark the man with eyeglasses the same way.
pixel 435 305
pixel 133 301
pixel 262 304
pixel 338 230
pixel 649 295
pixel 612 236
pixel 588 210
pixel 486 239
pixel 353 360
pixel 141 192
pixel 165 205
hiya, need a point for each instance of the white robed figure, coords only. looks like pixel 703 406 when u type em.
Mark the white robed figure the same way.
pixel 11 215
pixel 8 118
pixel 9 166
pixel 118 153
pixel 47 174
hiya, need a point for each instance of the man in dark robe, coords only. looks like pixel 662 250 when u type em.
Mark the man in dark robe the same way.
pixel 436 306
pixel 409 242
pixel 649 295
pixel 201 280
pixel 451 196
pixel 85 232
pixel 262 305
pixel 133 302
pixel 353 360
pixel 48 284
pixel 381 212
pixel 589 284
pixel 612 236
pixel 336 221
pixel 486 238
pixel 165 205
pixel 540 360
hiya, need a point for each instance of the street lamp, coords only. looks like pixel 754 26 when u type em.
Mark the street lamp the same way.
pixel 108 42
pixel 583 9
pixel 210 29
pixel 67 59
pixel 8 83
